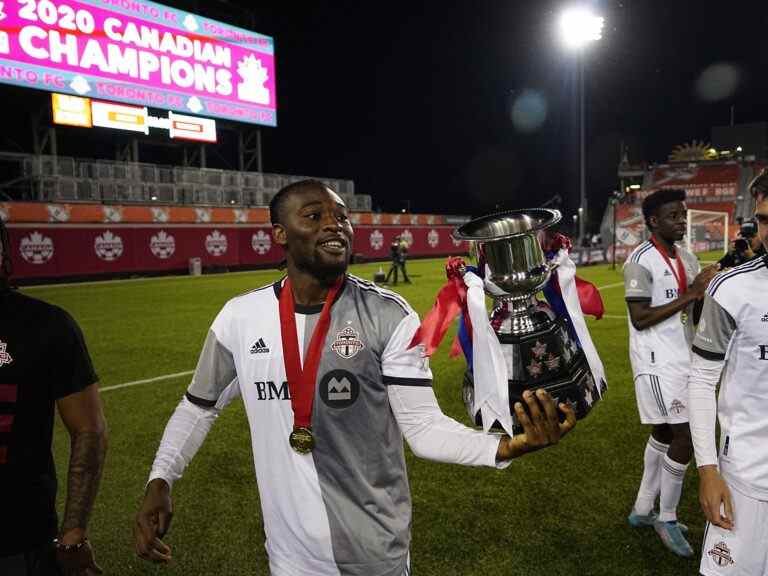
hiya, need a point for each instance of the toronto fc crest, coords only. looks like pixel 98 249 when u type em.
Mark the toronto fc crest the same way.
pixel 5 357
pixel 347 343
pixel 721 554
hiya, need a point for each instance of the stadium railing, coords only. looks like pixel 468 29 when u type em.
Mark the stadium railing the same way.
pixel 49 178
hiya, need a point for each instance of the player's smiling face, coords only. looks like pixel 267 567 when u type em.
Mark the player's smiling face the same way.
pixel 670 221
pixel 316 232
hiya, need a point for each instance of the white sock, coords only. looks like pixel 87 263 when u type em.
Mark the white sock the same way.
pixel 651 482
pixel 672 476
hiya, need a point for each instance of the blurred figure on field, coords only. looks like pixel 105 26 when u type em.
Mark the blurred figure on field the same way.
pixel 44 366
pixel 402 256
pixel 394 258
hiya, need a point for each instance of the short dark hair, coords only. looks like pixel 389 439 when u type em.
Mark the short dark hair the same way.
pixel 279 199
pixel 759 186
pixel 5 255
pixel 656 199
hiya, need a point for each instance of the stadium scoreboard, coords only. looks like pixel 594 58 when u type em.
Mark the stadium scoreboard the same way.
pixel 143 54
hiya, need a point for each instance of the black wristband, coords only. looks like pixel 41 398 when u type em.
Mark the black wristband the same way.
pixel 69 547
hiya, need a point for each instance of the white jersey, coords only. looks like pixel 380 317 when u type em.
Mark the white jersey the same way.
pixel 345 508
pixel 734 328
pixel 662 349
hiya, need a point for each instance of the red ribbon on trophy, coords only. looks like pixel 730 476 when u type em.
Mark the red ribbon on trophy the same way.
pixel 450 301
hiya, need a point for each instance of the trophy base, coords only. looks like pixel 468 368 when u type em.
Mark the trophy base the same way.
pixel 576 388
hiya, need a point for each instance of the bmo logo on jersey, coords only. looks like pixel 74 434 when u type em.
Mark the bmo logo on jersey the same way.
pixel 763 351
pixel 672 293
pixel 270 391
pixel 339 389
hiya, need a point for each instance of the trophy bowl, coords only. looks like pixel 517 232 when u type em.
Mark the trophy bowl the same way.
pixel 539 349
pixel 509 244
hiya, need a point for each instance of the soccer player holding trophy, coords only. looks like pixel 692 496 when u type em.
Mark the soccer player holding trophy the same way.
pixel 331 384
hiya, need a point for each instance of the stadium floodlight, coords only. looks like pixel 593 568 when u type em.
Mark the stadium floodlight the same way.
pixel 580 26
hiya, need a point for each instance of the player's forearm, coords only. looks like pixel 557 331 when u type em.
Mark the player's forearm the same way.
pixel 702 406
pixel 433 435
pixel 86 460
pixel 184 434
pixel 644 316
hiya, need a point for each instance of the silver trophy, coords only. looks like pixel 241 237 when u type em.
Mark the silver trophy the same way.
pixel 538 346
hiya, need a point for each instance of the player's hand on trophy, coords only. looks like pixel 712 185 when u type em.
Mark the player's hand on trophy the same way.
pixel 715 498
pixel 152 522
pixel 703 279
pixel 541 425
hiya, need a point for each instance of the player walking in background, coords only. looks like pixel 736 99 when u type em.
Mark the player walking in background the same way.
pixel 323 362
pixel 731 346
pixel 662 281
pixel 44 364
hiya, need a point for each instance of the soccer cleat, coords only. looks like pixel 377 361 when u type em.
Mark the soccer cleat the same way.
pixel 638 520
pixel 673 538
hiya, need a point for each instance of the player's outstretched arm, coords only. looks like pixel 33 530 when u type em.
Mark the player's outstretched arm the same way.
pixel 541 425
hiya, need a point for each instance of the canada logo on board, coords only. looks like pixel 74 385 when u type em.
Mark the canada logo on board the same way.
pixel 377 240
pixel 108 246
pixel 216 243
pixel 36 248
pixel 162 245
pixel 261 242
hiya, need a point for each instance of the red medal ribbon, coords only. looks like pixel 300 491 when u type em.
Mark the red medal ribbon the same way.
pixel 682 280
pixel 301 382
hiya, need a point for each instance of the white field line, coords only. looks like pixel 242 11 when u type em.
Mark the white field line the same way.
pixel 189 372
pixel 147 381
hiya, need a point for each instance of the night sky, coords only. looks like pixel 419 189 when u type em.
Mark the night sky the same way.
pixel 462 107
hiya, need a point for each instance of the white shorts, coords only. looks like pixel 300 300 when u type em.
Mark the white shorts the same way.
pixel 743 550
pixel 661 400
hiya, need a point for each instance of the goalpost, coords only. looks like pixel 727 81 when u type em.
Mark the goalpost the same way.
pixel 707 231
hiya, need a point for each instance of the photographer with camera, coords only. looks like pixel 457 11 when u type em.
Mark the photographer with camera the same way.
pixel 746 247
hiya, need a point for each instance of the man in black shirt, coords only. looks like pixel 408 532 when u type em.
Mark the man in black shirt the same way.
pixel 44 363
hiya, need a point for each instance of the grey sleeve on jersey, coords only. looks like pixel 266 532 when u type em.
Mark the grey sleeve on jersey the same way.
pixel 638 283
pixel 214 373
pixel 716 327
pixel 402 365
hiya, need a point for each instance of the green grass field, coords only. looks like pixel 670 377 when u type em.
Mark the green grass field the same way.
pixel 559 511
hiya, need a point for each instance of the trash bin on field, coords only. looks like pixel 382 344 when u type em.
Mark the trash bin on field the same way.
pixel 195 266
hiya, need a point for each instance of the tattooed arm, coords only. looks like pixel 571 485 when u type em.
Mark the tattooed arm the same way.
pixel 83 417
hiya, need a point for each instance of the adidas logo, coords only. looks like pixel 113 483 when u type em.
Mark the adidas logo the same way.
pixel 259 347
pixel 764 318
pixel 667 273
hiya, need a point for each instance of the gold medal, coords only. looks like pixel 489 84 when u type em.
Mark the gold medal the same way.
pixel 301 440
